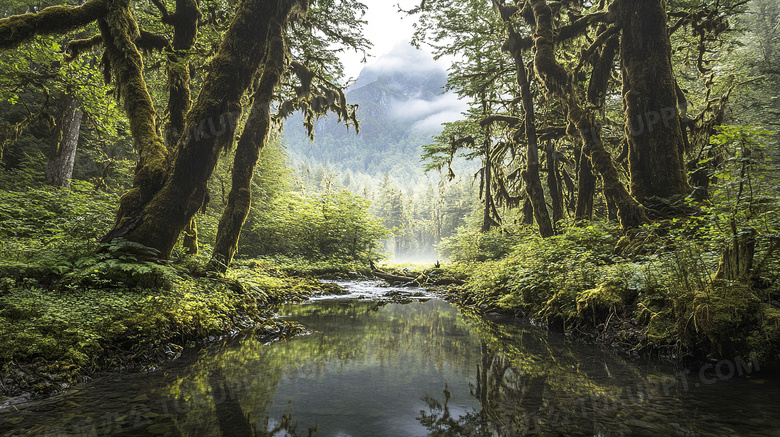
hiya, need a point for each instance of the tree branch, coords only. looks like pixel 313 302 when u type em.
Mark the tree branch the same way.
pixel 77 46
pixel 489 120
pixel 17 29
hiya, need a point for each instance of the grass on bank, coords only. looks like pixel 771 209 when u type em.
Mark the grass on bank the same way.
pixel 662 300
pixel 60 332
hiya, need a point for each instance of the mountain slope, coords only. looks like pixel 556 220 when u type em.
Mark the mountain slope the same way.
pixel 401 107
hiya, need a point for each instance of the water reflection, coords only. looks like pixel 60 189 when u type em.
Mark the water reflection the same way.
pixel 370 369
pixel 531 383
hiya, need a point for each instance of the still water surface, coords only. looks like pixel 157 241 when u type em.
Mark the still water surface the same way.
pixel 369 367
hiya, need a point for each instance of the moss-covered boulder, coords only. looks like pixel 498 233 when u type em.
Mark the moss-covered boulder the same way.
pixel 596 304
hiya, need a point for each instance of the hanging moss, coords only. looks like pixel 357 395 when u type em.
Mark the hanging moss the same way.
pixel 77 46
pixel 602 72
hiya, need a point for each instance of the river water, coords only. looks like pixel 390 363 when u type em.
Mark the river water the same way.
pixel 371 367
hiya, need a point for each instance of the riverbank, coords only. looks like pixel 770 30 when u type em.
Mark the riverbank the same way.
pixel 662 301
pixel 58 330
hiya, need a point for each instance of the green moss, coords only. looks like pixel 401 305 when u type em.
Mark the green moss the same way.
pixel 60 333
pixel 598 303
pixel 670 304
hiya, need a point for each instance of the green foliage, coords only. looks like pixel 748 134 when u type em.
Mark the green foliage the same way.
pixel 88 323
pixel 469 245
pixel 744 195
pixel 50 223
pixel 335 225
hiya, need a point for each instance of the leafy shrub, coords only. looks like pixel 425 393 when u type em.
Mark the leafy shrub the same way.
pixel 51 223
pixel 335 225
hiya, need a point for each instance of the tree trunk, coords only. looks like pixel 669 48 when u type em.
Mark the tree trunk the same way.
pixel 531 178
pixel 185 32
pixel 586 187
pixel 59 168
pixel 553 77
pixel 158 208
pixel 736 261
pixel 533 183
pixel 653 128
pixel 528 212
pixel 252 141
pixel 190 240
pixel 487 186
pixel 630 213
pixel 554 185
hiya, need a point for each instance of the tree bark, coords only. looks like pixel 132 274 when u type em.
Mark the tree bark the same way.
pixel 653 128
pixel 586 187
pixel 554 185
pixel 59 168
pixel 251 143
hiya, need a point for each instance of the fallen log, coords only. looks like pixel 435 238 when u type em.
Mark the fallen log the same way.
pixel 420 280
pixel 393 278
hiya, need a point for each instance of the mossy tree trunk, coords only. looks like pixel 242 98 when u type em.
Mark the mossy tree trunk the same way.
pixel 736 261
pixel 250 144
pixel 586 185
pixel 124 66
pixel 59 167
pixel 531 178
pixel 554 185
pixel 185 31
pixel 630 213
pixel 533 183
pixel 489 210
pixel 555 81
pixel 17 29
pixel 653 128
pixel 155 212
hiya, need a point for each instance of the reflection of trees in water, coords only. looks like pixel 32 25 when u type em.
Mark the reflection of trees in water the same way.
pixel 227 392
pixel 526 386
pixel 234 421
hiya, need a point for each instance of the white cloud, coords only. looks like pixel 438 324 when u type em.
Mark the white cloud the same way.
pixel 433 122
pixel 386 27
pixel 419 108
pixel 404 57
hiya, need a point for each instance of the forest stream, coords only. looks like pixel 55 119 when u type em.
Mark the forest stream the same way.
pixel 383 361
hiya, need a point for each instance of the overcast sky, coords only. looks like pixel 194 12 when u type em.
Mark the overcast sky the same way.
pixel 386 28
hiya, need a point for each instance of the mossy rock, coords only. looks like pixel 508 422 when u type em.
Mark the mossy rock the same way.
pixel 724 309
pixel 598 303
pixel 724 316
pixel 331 289
pixel 765 340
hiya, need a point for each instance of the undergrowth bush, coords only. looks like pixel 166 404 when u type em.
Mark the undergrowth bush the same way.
pixel 53 225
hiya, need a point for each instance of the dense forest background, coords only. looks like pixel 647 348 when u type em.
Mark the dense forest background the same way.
pixel 605 167
pixel 60 125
